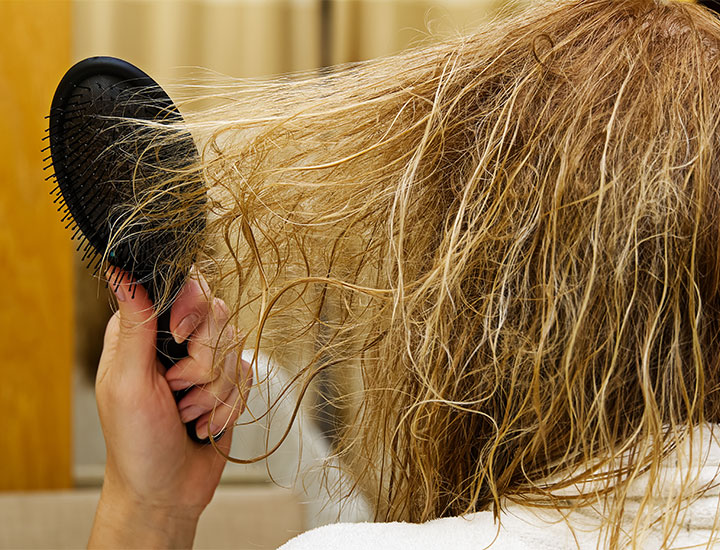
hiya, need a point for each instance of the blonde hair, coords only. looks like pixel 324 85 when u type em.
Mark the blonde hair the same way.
pixel 509 240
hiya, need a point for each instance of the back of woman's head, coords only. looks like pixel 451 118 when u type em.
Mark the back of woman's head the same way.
pixel 505 244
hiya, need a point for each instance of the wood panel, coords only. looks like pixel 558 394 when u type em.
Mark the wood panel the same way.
pixel 36 315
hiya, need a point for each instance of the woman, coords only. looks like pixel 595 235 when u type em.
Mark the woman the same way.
pixel 507 242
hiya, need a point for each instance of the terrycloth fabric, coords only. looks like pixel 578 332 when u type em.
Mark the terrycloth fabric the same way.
pixel 524 528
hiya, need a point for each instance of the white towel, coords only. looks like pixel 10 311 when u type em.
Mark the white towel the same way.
pixel 525 528
pixel 520 527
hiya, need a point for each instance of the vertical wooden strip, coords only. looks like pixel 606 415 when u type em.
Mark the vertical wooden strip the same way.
pixel 36 315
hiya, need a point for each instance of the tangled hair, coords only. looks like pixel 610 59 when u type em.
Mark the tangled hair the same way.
pixel 504 245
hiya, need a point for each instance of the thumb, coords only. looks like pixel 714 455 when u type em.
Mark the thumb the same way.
pixel 131 333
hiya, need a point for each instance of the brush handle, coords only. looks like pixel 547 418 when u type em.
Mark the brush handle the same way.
pixel 169 353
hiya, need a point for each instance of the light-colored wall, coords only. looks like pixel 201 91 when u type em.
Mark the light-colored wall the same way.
pixel 248 517
pixel 255 38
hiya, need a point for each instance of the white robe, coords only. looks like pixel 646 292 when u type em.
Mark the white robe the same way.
pixel 525 528
pixel 520 527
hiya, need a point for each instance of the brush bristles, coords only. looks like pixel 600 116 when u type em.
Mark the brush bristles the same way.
pixel 114 186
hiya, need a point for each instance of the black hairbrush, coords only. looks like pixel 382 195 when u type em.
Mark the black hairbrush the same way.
pixel 124 182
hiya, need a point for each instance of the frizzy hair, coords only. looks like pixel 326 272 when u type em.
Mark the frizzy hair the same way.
pixel 506 244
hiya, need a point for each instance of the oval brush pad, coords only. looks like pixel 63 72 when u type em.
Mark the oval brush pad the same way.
pixel 125 184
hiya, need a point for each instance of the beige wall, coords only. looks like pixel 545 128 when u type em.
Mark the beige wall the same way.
pixel 239 518
pixel 251 38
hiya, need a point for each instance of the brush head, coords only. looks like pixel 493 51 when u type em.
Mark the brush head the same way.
pixel 124 173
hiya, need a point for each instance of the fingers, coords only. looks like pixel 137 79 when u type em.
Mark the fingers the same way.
pixel 131 332
pixel 221 417
pixel 227 411
pixel 202 399
pixel 190 308
pixel 218 404
pixel 212 364
pixel 210 341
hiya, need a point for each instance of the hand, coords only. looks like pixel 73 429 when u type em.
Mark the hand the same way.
pixel 153 469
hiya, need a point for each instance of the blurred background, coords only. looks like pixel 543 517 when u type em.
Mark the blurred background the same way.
pixel 53 313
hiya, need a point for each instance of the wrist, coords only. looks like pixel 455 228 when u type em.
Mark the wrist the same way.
pixel 122 521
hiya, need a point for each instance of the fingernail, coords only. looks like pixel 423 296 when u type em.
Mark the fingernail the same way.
pixel 190 413
pixel 201 430
pixel 177 384
pixel 119 293
pixel 216 430
pixel 185 328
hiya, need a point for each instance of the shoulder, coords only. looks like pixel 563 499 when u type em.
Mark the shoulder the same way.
pixel 460 533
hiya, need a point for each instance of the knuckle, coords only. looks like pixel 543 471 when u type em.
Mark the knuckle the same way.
pixel 220 308
pixel 200 372
pixel 194 371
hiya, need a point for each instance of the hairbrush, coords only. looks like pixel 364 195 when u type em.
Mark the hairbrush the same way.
pixel 124 183
pixel 713 5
